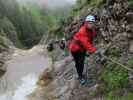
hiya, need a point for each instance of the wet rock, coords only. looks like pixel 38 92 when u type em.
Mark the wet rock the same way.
pixel 3 58
pixel 131 47
pixel 63 85
pixel 129 16
pixel 129 28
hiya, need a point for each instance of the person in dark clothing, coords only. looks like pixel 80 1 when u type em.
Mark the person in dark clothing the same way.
pixel 82 42
pixel 62 44
pixel 79 58
pixel 50 47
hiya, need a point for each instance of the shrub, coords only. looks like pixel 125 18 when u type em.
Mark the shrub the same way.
pixel 119 95
pixel 115 77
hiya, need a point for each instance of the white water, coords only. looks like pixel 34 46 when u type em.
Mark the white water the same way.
pixel 22 74
pixel 28 85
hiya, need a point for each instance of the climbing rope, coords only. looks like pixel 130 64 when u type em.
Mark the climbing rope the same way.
pixel 113 61
pixel 105 48
pixel 99 58
pixel 102 56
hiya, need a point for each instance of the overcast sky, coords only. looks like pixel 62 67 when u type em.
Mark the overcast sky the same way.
pixel 50 3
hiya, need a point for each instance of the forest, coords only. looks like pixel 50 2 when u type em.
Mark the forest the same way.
pixel 25 24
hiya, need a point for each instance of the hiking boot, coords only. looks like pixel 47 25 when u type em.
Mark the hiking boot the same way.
pixel 82 81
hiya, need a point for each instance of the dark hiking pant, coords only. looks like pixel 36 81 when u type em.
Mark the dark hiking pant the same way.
pixel 79 58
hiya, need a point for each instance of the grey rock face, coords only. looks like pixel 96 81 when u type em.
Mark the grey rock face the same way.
pixel 131 47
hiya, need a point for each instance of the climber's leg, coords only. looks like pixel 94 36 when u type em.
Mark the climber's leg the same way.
pixel 79 58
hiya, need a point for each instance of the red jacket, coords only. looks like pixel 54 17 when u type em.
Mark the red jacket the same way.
pixel 85 38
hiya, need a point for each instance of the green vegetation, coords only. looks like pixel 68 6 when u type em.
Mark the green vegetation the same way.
pixel 3 43
pixel 19 23
pixel 92 3
pixel 119 95
pixel 131 4
pixel 92 94
pixel 84 5
pixel 115 79
pixel 95 3
pixel 25 24
pixel 130 62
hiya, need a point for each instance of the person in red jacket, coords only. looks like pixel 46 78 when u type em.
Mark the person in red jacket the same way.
pixel 82 42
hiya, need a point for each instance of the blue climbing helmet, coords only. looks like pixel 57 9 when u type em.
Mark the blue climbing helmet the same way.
pixel 90 18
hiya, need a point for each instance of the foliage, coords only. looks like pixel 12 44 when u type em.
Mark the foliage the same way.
pixel 114 52
pixel 83 5
pixel 92 94
pixel 131 4
pixel 119 95
pixel 4 44
pixel 95 3
pixel 115 77
pixel 130 62
pixel 28 23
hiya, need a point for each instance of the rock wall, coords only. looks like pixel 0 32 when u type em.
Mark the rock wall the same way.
pixel 114 21
pixel 5 50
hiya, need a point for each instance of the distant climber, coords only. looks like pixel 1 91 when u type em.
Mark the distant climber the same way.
pixel 53 44
pixel 63 46
pixel 62 43
pixel 50 46
pixel 82 42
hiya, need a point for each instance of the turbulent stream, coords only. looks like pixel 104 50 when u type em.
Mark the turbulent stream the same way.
pixel 22 73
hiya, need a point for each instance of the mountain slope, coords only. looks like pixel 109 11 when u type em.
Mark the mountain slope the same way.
pixel 109 80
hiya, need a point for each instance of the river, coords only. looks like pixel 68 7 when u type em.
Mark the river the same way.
pixel 22 73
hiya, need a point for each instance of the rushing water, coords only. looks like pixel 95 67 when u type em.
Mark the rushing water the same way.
pixel 22 74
